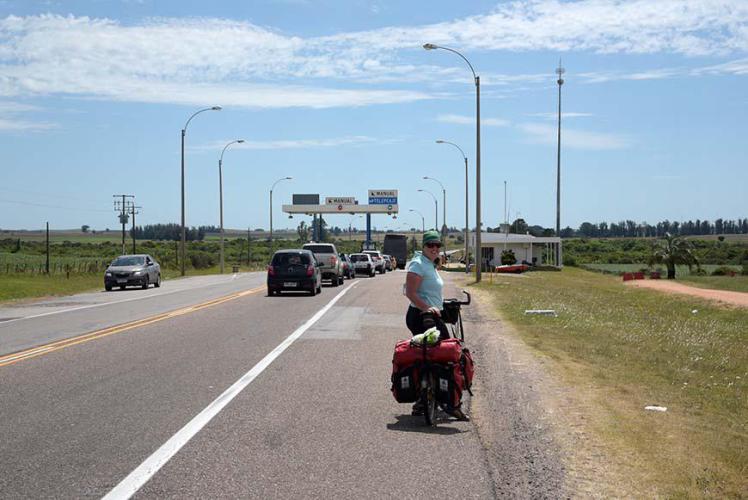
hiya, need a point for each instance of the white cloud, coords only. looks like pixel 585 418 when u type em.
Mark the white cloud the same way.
pixel 470 120
pixel 574 139
pixel 295 143
pixel 194 61
pixel 564 115
pixel 10 118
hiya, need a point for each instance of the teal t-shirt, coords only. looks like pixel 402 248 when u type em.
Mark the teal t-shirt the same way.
pixel 430 290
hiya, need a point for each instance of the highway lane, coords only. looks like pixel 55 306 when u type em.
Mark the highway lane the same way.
pixel 319 421
pixel 33 323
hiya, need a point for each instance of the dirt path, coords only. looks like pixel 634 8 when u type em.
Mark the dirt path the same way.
pixel 734 298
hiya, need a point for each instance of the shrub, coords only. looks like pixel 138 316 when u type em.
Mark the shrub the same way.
pixel 570 261
pixel 508 258
pixel 744 272
pixel 201 260
pixel 723 271
pixel 698 272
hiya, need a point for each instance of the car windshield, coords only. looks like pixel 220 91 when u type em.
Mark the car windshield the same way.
pixel 291 259
pixel 129 261
pixel 319 248
pixel 358 257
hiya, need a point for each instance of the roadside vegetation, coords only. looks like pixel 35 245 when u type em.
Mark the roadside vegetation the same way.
pixel 623 348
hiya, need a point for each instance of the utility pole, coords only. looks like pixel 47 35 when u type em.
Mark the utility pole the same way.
pixel 133 212
pixel 124 209
pixel 560 71
pixel 47 265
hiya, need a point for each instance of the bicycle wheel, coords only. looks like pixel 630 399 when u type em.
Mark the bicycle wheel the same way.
pixel 428 399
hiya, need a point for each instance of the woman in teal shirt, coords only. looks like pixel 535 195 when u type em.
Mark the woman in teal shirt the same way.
pixel 423 286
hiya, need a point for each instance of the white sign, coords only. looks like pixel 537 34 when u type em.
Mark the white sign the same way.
pixel 340 200
pixel 382 193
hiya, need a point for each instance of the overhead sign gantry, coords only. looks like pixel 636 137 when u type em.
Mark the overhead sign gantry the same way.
pixel 381 201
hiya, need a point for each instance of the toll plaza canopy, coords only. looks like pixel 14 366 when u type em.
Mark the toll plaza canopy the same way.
pixel 380 202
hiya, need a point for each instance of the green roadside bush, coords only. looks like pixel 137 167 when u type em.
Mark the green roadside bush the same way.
pixel 723 271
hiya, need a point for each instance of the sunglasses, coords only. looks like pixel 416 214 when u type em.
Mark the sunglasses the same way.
pixel 433 245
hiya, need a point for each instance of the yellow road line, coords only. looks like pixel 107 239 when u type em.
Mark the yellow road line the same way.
pixel 15 357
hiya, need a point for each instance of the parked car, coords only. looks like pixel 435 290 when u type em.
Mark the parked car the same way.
pixel 329 260
pixel 388 262
pixel 132 270
pixel 348 270
pixel 378 259
pixel 296 270
pixel 363 263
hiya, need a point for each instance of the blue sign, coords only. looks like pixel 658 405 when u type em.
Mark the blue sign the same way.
pixel 383 200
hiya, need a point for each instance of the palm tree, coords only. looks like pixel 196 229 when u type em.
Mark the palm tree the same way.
pixel 672 250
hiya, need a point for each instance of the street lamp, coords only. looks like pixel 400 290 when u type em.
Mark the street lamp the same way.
pixel 184 236
pixel 271 209
pixel 350 221
pixel 220 190
pixel 431 46
pixel 444 214
pixel 444 204
pixel 436 207
pixel 423 221
pixel 467 226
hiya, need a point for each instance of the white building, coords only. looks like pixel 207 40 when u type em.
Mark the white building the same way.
pixel 527 248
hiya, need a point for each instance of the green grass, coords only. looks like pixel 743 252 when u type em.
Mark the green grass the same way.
pixel 630 347
pixel 735 283
pixel 27 286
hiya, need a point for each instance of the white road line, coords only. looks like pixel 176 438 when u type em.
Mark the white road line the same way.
pixel 137 478
pixel 101 304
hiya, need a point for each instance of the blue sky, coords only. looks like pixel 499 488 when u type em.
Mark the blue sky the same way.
pixel 341 96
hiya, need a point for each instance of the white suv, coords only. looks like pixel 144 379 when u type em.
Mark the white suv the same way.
pixel 362 263
pixel 378 258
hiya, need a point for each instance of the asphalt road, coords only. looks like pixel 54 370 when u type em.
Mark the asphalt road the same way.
pixel 318 421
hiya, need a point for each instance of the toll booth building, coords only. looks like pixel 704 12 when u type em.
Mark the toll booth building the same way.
pixel 535 250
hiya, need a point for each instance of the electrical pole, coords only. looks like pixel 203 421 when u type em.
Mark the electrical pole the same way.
pixel 133 212
pixel 124 209
pixel 47 265
pixel 560 71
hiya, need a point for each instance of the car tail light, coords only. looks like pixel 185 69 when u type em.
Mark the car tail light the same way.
pixel 310 270
pixel 271 271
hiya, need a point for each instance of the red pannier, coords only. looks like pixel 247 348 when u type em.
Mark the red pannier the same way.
pixel 456 375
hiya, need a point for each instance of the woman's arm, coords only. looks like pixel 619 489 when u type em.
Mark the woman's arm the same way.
pixel 412 282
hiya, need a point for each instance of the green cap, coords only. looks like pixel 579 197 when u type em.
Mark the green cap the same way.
pixel 430 236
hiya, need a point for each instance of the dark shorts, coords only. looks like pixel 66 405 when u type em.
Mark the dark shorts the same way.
pixel 414 321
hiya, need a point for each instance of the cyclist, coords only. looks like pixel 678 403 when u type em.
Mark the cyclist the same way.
pixel 423 287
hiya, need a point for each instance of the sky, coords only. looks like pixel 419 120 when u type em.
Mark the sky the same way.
pixel 341 96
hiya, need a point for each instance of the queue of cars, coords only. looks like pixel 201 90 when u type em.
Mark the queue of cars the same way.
pixel 304 269
pixel 289 270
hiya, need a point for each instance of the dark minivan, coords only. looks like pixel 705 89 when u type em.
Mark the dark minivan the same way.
pixel 295 270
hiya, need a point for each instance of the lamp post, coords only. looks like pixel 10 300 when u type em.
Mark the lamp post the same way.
pixel 436 207
pixel 350 222
pixel 184 235
pixel 478 252
pixel 560 71
pixel 220 190
pixel 423 220
pixel 467 224
pixel 444 214
pixel 271 209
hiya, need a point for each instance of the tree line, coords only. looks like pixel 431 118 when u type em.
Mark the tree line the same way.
pixel 631 229
pixel 167 232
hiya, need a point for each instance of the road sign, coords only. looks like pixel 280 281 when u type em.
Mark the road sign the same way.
pixel 383 197
pixel 306 199
pixel 340 200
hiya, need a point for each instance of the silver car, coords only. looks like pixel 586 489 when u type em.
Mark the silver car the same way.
pixel 132 270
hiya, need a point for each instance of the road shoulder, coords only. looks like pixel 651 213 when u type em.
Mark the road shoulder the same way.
pixel 536 431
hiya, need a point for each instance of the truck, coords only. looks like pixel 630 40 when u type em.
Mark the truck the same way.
pixel 397 246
